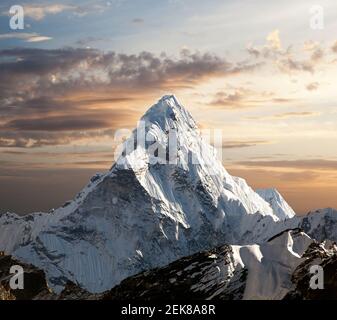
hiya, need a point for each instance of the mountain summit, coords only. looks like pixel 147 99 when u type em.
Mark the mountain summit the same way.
pixel 277 202
pixel 150 209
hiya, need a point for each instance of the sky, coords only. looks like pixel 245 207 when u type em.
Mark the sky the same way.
pixel 264 72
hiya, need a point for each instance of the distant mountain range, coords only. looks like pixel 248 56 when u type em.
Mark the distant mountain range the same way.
pixel 183 225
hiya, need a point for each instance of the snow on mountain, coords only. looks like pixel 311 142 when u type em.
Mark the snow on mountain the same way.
pixel 320 224
pixel 280 207
pixel 274 260
pixel 262 272
pixel 277 269
pixel 143 213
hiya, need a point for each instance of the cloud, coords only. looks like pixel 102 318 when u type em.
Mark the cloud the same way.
pixel 95 163
pixel 295 114
pixel 44 121
pixel 313 164
pixel 85 67
pixel 270 177
pixel 288 60
pixel 271 49
pixel 243 97
pixel 314 49
pixel 88 40
pixel 234 99
pixel 39 12
pixel 243 144
pixel 254 51
pixel 317 55
pixel 60 72
pixel 282 100
pixel 289 65
pixel 334 47
pixel 61 123
pixel 35 139
pixel 81 117
pixel 138 21
pixel 28 37
pixel 286 115
pixel 298 176
pixel 74 94
pixel 312 86
pixel 273 39
pixel 38 39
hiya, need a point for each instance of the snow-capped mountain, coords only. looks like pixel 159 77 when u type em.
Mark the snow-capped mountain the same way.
pixel 280 207
pixel 143 213
pixel 277 269
pixel 320 224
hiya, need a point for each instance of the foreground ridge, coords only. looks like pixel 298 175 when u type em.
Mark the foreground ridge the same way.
pixel 277 269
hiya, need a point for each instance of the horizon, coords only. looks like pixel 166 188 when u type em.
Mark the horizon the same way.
pixel 80 71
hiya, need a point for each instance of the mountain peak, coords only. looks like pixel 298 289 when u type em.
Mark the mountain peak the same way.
pixel 166 111
pixel 166 102
pixel 280 207
pixel 166 197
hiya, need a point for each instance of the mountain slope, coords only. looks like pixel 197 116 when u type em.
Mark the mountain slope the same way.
pixel 320 224
pixel 277 269
pixel 144 212
pixel 280 207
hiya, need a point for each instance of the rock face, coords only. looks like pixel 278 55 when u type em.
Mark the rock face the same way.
pixel 325 256
pixel 142 214
pixel 35 283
